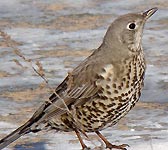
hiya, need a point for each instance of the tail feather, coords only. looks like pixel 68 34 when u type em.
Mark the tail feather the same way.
pixel 29 126
pixel 32 125
pixel 24 129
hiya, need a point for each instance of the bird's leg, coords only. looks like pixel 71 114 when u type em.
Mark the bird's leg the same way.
pixel 84 147
pixel 109 145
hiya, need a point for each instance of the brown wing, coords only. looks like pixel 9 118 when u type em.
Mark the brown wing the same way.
pixel 76 95
pixel 77 88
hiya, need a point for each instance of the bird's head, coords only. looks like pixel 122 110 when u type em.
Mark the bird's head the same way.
pixel 126 31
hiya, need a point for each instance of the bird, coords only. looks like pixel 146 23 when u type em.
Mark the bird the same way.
pixel 101 90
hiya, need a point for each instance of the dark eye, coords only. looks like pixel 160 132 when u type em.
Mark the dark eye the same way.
pixel 131 26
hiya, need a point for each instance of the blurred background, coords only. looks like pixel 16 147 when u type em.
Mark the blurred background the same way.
pixel 60 34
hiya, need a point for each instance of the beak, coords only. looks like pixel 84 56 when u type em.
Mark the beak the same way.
pixel 147 14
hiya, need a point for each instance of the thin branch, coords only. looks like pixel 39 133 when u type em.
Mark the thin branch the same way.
pixel 39 72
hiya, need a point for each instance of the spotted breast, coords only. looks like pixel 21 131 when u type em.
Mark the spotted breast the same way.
pixel 120 90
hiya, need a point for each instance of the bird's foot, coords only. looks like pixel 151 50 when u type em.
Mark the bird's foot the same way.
pixel 120 147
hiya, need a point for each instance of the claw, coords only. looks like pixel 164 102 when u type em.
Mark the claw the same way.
pixel 109 145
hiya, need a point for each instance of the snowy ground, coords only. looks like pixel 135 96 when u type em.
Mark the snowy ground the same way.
pixel 146 126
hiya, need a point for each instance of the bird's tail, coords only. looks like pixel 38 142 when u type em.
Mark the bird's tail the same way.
pixel 24 129
pixel 32 125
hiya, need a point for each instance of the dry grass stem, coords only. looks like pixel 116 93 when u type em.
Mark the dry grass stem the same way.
pixel 39 71
pixel 18 63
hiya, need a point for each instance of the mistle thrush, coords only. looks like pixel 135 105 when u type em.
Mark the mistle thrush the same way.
pixel 101 90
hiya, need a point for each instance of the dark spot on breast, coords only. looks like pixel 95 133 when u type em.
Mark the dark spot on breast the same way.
pixel 102 105
pixel 94 103
pixel 103 97
pixel 92 122
pixel 97 76
pixel 83 112
pixel 114 85
pixel 86 126
pixel 111 105
pixel 100 77
pixel 135 98
pixel 115 111
pixel 79 117
pixel 101 88
pixel 116 98
pixel 122 100
pixel 111 99
pixel 119 87
pixel 100 91
pixel 119 98
pixel 103 70
pixel 93 115
pixel 139 93
pixel 89 108
pixel 127 84
pixel 116 91
pixel 108 92
pixel 98 115
pixel 128 74
pixel 94 110
pixel 85 119
pixel 107 86
pixel 133 105
pixel 89 117
pixel 135 78
pixel 96 120
pixel 108 79
pixel 128 77
pixel 122 84
pixel 79 113
pixel 119 105
pixel 100 111
pixel 111 111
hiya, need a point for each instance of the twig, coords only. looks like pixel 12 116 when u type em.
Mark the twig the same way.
pixel 39 72
pixel 18 63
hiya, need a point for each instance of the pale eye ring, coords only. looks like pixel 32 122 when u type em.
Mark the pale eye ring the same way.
pixel 131 26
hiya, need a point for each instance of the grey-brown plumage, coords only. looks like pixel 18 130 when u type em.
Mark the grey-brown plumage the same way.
pixel 101 90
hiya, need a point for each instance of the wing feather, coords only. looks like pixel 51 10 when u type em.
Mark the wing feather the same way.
pixel 76 96
pixel 77 88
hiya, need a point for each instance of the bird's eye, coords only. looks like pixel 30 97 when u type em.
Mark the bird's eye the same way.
pixel 131 26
